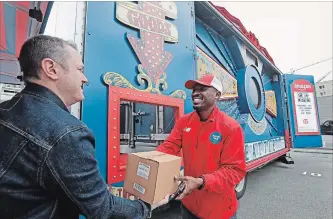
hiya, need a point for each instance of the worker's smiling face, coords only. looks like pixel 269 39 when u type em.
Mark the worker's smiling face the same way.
pixel 203 97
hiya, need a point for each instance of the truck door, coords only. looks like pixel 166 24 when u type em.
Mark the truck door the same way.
pixel 303 116
pixel 18 21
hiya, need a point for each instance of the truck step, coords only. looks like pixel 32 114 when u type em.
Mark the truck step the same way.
pixel 287 160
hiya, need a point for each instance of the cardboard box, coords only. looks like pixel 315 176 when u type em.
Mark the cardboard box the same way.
pixel 150 175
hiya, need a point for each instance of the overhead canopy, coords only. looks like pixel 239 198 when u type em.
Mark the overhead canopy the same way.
pixel 18 21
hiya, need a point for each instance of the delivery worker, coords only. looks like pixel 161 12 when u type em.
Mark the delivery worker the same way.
pixel 213 150
pixel 47 164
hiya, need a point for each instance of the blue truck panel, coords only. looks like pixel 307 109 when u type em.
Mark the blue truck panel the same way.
pixel 242 108
pixel 107 49
pixel 213 46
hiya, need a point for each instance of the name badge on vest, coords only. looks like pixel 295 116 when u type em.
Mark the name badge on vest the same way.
pixel 215 137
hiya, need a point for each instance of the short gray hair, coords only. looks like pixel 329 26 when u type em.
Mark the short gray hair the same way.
pixel 39 47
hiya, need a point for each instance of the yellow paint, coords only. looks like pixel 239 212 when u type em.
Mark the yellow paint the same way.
pixel 206 65
pixel 271 103
pixel 257 127
pixel 115 79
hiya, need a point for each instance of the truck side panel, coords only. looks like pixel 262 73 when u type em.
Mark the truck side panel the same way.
pixel 109 47
pixel 253 90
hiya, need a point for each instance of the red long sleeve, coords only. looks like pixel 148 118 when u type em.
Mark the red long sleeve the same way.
pixel 233 165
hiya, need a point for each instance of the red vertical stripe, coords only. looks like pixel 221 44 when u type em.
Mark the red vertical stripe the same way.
pixel 21 30
pixel 2 28
pixel 25 4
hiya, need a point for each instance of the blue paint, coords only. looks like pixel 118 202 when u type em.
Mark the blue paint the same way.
pixel 235 47
pixel 5 51
pixel 215 137
pixel 108 50
pixel 222 53
pixel 227 61
pixel 266 80
pixel 230 107
pixel 241 109
pixel 10 26
pixel 211 44
pixel 301 141
pixel 221 50
pixel 205 36
pixel 279 121
pixel 249 135
pixel 204 48
pixel 245 104
pixel 275 122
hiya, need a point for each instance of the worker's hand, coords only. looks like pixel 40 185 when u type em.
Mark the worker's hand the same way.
pixel 191 185
pixel 160 203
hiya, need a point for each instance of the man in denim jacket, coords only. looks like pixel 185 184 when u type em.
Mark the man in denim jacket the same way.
pixel 47 164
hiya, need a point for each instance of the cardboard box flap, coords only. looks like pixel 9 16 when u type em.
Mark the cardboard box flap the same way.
pixel 157 156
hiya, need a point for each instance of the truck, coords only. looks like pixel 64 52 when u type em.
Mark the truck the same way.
pixel 137 57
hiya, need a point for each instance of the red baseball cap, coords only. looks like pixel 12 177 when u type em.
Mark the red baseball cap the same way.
pixel 208 80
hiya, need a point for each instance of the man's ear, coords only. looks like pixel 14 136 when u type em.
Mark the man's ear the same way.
pixel 50 68
pixel 218 95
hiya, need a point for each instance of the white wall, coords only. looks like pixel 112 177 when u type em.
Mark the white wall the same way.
pixel 324 88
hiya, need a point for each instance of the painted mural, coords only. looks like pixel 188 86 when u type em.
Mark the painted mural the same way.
pixel 259 149
pixel 271 103
pixel 150 19
pixel 228 102
pixel 206 65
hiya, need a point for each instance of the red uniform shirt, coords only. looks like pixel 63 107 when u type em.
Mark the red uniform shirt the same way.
pixel 215 149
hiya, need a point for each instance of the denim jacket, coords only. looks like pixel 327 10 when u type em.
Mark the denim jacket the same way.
pixel 47 164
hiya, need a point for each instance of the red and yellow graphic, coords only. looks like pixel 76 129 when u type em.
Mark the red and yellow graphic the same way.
pixel 149 17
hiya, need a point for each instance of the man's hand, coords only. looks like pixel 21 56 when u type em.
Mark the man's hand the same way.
pixel 160 203
pixel 191 184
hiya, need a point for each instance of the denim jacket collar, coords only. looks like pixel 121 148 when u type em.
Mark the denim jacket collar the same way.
pixel 44 92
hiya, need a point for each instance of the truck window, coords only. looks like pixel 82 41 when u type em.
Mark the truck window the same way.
pixel 143 126
pixel 137 121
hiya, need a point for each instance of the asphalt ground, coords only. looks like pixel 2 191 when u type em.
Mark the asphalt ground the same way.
pixel 278 191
